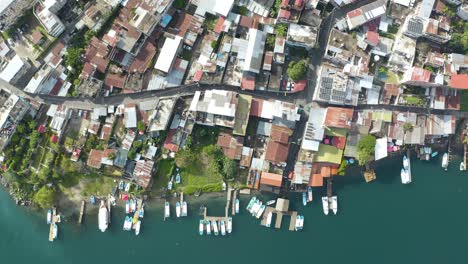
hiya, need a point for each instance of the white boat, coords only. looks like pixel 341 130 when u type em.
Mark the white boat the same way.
pixel 169 185
pixel 127 206
pixel 310 196
pixel 445 161
pixel 223 228
pixel 270 202
pixel 229 225
pixel 335 204
pixel 177 209
pixel 260 211
pixel 133 205
pixel 269 217
pixel 200 228
pixel 298 222
pixel 237 205
pixel 224 186
pixel 208 227
pixel 215 227
pixel 462 166
pixel 301 222
pixel 405 162
pixel 137 227
pixel 325 205
pixel 251 203
pixel 55 231
pixel 256 208
pixel 167 210
pixel 404 176
pixel 184 208
pixel 127 187
pixel 103 217
pixel 49 216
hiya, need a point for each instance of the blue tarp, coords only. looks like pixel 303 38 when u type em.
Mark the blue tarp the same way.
pixel 165 20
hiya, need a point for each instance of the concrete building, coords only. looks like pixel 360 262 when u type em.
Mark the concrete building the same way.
pixel 11 71
pixel 254 51
pixel 168 54
pixel 302 36
pixel 366 13
pixel 214 107
pixel 45 12
pixel 259 7
pixel 462 11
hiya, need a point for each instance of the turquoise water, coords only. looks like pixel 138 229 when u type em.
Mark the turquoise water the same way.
pixel 379 222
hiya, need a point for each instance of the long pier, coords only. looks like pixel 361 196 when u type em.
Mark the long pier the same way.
pixel 109 206
pixel 465 155
pixel 234 202
pixel 408 156
pixel 137 211
pixel 82 210
pixel 55 219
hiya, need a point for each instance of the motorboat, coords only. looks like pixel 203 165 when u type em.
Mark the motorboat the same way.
pixel 256 208
pixel 405 162
pixel 169 185
pixel 55 232
pixel 404 176
pixel 208 227
pixel 224 186
pixel 325 205
pixel 260 211
pixel 304 198
pixel 229 225
pixel 141 214
pixel 127 186
pixel 167 210
pixel 137 227
pixel 445 161
pixel 200 228
pixel 103 217
pixel 434 154
pixel 49 216
pixel 251 203
pixel 298 222
pixel 184 208
pixel 237 205
pixel 335 204
pixel 215 227
pixel 121 185
pixel 177 178
pixel 269 217
pixel 92 200
pixel 127 206
pixel 133 205
pixel 177 209
pixel 309 194
pixel 223 228
pixel 462 166
pixel 270 202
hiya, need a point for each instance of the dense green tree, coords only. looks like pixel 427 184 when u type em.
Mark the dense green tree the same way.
pixel 366 149
pixel 45 197
pixel 297 70
pixel 281 30
pixel 230 168
pixel 141 126
pixel 185 157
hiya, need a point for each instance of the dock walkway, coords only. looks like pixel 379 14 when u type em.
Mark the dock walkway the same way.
pixel 82 210
pixel 234 202
pixel 292 224
pixel 408 156
pixel 55 219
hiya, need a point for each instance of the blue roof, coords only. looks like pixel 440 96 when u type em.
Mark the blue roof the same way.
pixel 165 20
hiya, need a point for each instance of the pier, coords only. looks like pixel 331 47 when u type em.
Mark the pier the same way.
pixel 55 219
pixel 281 209
pixel 465 151
pixel 228 200
pixel 408 156
pixel 292 224
pixel 329 192
pixel 234 202
pixel 80 219
pixel 109 206
pixel 137 211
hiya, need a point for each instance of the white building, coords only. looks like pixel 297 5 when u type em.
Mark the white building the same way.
pixel 462 11
pixel 215 7
pixel 13 69
pixel 302 36
pixel 366 13
pixel 254 52
pixel 60 115
pixel 168 53
pixel 214 107
pixel 45 13
pixel 259 7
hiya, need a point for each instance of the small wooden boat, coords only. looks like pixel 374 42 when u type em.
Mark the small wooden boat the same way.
pixel 462 166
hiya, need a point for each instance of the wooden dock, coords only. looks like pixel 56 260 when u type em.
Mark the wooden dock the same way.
pixel 109 206
pixel 137 211
pixel 234 202
pixel 82 210
pixel 408 156
pixel 268 209
pixel 55 219
pixel 279 219
pixel 465 148
pixel 329 192
pixel 292 224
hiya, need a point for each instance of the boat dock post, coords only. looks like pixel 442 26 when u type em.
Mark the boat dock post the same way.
pixel 329 192
pixel 268 209
pixel 80 219
pixel 292 224
pixel 181 198
pixel 234 202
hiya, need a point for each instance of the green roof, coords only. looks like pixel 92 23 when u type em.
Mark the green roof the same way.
pixel 327 153
pixel 242 114
pixel 336 132
pixel 383 115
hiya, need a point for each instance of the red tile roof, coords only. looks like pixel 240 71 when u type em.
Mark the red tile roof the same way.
pixel 339 142
pixel 276 152
pixel 231 145
pixel 354 13
pixel 54 138
pixel 219 25
pixel 256 107
pixel 284 3
pixel 299 86
pixel 106 131
pixel 94 159
pixel 198 75
pixel 338 117
pixel 299 3
pixel 115 80
pixel 271 179
pixel 284 14
pixel 36 36
pixel 459 81
pixel 420 75
pixel 248 82
pixel 146 54
pixel 168 143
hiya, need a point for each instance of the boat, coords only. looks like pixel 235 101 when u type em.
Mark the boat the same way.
pixel 127 223
pixel 197 193
pixel 92 199
pixel 229 225
pixel 304 198
pixel 224 186
pixel 310 196
pixel 462 166
pixel 325 205
pixel 200 228
pixel 223 228
pixel 177 209
pixel 298 222
pixel 49 216
pixel 177 178
pixel 169 185
pixel 103 217
pixel 137 227
pixel 260 212
pixel 208 227
pixel 55 232
pixel 445 161
pixel 270 202
pixel 301 222
pixel 184 208
pixel 127 206
pixel 121 185
pixel 127 186
pixel 256 208
pixel 135 219
pixel 404 176
pixel 133 205
pixel 237 205
pixel 435 153
pixel 269 217
pixel 251 203
pixel 335 204
pixel 141 214
pixel 405 162
pixel 215 227
pixel 167 210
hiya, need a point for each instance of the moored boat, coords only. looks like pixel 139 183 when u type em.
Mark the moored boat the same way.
pixel 405 162
pixel 177 178
pixel 325 205
pixel 251 203
pixel 404 176
pixel 435 153
pixel 208 227
pixel 335 204
pixel 103 217
pixel 215 227
pixel 167 210
pixel 127 186
pixel 270 202
pixel 256 207
pixel 224 186
pixel 121 185
pixel 142 212
pixel 177 209
pixel 169 185
pixel 137 227
pixel 49 216
pixel 298 222
pixel 223 228
pixel 445 161
pixel 269 217
pixel 462 166
pixel 229 225
pixel 304 198
pixel 184 208
pixel 237 205
pixel 310 196
pixel 133 205
pixel 200 228
pixel 55 234
pixel 92 200
pixel 260 211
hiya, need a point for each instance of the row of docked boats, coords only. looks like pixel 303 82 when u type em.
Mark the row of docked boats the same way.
pixel 170 184
pixel 130 206
pixel 330 202
pixel 125 186
pixel 405 171
pixel 256 207
pixel 307 196
pixel 135 221
pixel 217 227
pixel 299 223
pixel 181 209
pixel 55 226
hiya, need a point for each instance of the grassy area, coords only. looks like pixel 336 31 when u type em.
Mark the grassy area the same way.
pixel 163 173
pixel 392 77
pixel 464 100
pixel 98 186
pixel 414 100
pixel 328 153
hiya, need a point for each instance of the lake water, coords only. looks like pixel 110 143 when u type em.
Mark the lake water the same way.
pixel 380 222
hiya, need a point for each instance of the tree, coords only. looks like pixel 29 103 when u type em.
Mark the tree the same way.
pixel 45 197
pixel 141 126
pixel 448 12
pixel 131 154
pixel 111 156
pixel 297 70
pixel 270 42
pixel 366 149
pixel 281 30
pixel 230 168
pixel 185 158
pixel 180 4
pixel 408 127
